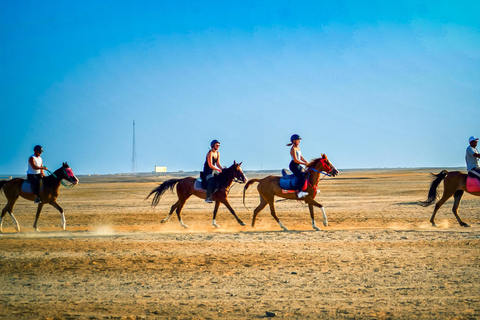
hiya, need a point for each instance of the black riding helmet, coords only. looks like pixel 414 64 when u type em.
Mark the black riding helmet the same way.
pixel 295 137
pixel 38 148
pixel 213 143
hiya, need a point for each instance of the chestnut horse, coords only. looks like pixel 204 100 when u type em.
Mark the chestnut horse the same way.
pixel 269 187
pixel 48 194
pixel 454 184
pixel 185 188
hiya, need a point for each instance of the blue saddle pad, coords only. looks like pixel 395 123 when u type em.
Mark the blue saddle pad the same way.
pixel 27 187
pixel 288 182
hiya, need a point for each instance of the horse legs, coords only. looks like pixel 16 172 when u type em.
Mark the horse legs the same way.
pixel 9 208
pixel 171 212
pixel 39 209
pixel 445 197
pixel 257 210
pixel 274 215
pixel 62 214
pixel 180 204
pixel 229 207
pixel 215 210
pixel 311 204
pixel 458 197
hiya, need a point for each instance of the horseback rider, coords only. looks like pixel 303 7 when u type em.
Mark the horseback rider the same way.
pixel 35 171
pixel 296 164
pixel 211 168
pixel 472 157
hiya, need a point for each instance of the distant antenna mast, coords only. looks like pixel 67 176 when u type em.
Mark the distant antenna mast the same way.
pixel 134 156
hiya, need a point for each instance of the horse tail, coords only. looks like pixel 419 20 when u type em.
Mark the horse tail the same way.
pixel 2 183
pixel 160 190
pixel 432 193
pixel 252 181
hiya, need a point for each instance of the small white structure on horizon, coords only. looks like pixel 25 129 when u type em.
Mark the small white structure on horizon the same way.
pixel 160 169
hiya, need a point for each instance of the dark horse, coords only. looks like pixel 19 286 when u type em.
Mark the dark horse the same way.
pixel 185 188
pixel 454 184
pixel 269 187
pixel 48 194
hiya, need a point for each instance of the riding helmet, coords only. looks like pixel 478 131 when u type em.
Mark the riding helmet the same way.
pixel 214 142
pixel 295 137
pixel 38 148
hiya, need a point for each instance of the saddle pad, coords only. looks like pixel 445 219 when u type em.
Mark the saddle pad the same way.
pixel 288 183
pixel 198 185
pixel 27 187
pixel 473 184
pixel 288 191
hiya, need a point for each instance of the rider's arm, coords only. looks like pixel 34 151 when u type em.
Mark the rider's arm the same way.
pixel 218 162
pixel 210 163
pixel 34 166
pixel 295 158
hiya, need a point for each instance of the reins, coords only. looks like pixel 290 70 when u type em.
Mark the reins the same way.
pixel 61 180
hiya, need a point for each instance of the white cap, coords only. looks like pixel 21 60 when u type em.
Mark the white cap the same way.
pixel 472 138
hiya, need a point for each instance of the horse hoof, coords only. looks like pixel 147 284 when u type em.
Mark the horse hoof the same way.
pixel 36 229
pixel 325 224
pixel 242 223
pixel 434 225
pixel 466 225
pixel 216 225
pixel 285 229
pixel 317 229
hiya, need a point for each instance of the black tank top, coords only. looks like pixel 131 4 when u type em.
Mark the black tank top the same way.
pixel 206 168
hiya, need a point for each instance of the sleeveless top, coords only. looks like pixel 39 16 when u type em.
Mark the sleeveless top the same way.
pixel 299 154
pixel 206 168
pixel 38 162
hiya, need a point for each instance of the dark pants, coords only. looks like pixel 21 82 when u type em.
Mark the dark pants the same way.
pixel 297 171
pixel 211 184
pixel 36 182
pixel 475 172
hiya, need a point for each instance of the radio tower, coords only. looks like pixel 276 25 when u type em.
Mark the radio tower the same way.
pixel 134 156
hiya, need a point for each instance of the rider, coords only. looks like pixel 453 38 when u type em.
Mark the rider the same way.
pixel 211 168
pixel 296 164
pixel 35 171
pixel 472 157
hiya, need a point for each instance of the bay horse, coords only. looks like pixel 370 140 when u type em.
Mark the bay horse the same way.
pixel 454 184
pixel 185 188
pixel 48 194
pixel 269 187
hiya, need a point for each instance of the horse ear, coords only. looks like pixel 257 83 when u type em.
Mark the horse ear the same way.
pixel 234 162
pixel 240 163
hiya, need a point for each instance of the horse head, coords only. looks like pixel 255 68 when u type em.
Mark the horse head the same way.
pixel 238 174
pixel 68 174
pixel 323 164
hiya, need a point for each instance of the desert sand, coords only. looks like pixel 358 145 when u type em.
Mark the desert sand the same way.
pixel 379 257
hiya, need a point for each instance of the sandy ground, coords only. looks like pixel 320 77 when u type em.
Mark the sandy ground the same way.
pixel 379 258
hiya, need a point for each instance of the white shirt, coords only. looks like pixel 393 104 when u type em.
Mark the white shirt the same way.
pixel 38 162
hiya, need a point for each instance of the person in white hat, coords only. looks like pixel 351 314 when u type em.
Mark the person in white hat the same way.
pixel 472 157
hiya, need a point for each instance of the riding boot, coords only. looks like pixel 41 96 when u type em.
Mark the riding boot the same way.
pixel 210 186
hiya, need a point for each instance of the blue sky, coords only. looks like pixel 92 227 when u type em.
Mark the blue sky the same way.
pixel 370 83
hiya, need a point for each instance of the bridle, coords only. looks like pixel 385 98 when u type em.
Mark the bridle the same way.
pixel 71 185
pixel 327 168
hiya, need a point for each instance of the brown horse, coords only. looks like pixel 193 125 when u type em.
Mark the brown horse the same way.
pixel 48 194
pixel 454 184
pixel 185 188
pixel 269 187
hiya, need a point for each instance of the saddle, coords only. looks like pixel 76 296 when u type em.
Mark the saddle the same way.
pixel 27 187
pixel 473 183
pixel 201 183
pixel 288 182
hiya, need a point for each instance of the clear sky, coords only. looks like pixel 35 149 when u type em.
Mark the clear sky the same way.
pixel 370 83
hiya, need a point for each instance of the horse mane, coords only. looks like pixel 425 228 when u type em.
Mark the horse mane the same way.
pixel 224 176
pixel 313 163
